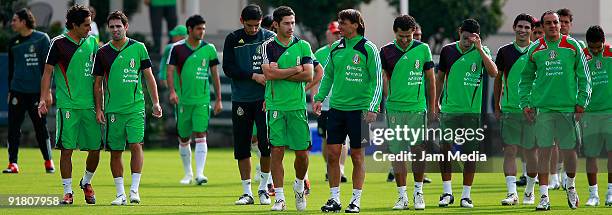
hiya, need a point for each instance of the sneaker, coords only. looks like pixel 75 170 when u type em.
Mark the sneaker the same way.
pixel 245 199
pixel 390 177
pixel 609 199
pixel 544 204
pixel 187 179
pixel 522 181
pixel 264 198
pixel 572 197
pixel 279 205
pixel 528 199
pixel 426 180
pixel 271 191
pixel 419 201
pixel 511 199
pixel 593 201
pixel 466 203
pixel 331 206
pixel 134 197
pixel 352 208
pixel 306 187
pixel 401 204
pixel 446 199
pixel 90 195
pixel 201 180
pixel 12 168
pixel 49 167
pixel 67 199
pixel 300 200
pixel 343 179
pixel 120 200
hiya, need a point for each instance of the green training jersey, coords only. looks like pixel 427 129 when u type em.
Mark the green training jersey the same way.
pixel 322 55
pixel 600 67
pixel 191 76
pixel 510 62
pixel 163 62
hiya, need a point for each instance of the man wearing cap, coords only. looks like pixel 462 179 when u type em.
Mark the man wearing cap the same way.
pixel 178 33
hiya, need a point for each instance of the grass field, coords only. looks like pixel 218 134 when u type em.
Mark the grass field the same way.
pixel 162 194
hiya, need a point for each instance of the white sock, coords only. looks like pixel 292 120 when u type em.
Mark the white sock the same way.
pixel 201 148
pixel 299 185
pixel 335 193
pixel 185 152
pixel 530 185
pixel 447 187
pixel 341 169
pixel 119 186
pixel 270 179
pixel 67 184
pixel 356 199
pixel 135 182
pixel 560 167
pixel 87 177
pixel 511 184
pixel 418 187
pixel 246 187
pixel 544 190
pixel 524 168
pixel 593 190
pixel 279 193
pixel 554 179
pixel 466 191
pixel 263 182
pixel 571 182
pixel 401 191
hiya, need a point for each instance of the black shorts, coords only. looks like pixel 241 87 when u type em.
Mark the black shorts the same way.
pixel 244 115
pixel 322 124
pixel 351 123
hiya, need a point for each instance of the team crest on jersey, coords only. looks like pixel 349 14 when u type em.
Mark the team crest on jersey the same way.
pixel 203 62
pixel 392 119
pixel 417 64
pixel 552 54
pixel 258 50
pixel 132 63
pixel 112 118
pixel 32 48
pixel 14 101
pixel 474 67
pixel 598 64
pixel 356 59
pixel 275 114
pixel 239 111
pixel 67 114
pixel 241 41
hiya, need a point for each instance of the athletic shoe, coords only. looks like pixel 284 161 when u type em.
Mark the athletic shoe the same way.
pixel 12 168
pixel 279 205
pixel 187 179
pixel 390 177
pixel 426 180
pixel 401 204
pixel 572 198
pixel 466 203
pixel 544 204
pixel 511 199
pixel 352 208
pixel 201 180
pixel 264 198
pixel 134 197
pixel 593 201
pixel 522 181
pixel 306 187
pixel 49 167
pixel 67 199
pixel 271 191
pixel 90 195
pixel 446 199
pixel 245 199
pixel 609 199
pixel 331 206
pixel 343 179
pixel 528 199
pixel 300 200
pixel 120 200
pixel 419 201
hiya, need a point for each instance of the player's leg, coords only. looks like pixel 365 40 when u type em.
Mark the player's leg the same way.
pixel 591 146
pixel 343 156
pixel 511 133
pixel 116 138
pixel 544 127
pixel 116 165
pixel 528 147
pixel 201 115
pixel 40 128
pixel 567 137
pixel 447 198
pixel 135 139
pixel 555 167
pixel 336 134
pixel 609 193
pixel 242 123
pixel 469 121
pixel 16 115
pixel 418 171
pixel 277 129
pixel 66 140
pixel 298 139
pixel 263 144
pixel 90 140
pixel 358 131
pixel 184 129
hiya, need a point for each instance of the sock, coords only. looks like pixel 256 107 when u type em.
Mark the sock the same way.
pixel 279 193
pixel 356 199
pixel 342 169
pixel 299 185
pixel 135 182
pixel 446 185
pixel 67 183
pixel 554 179
pixel 524 168
pixel 511 184
pixel 119 186
pixel 263 182
pixel 593 190
pixel 87 177
pixel 335 193
pixel 571 182
pixel 201 148
pixel 185 152
pixel 544 190
pixel 560 167
pixel 418 187
pixel 246 187
pixel 401 191
pixel 466 191
pixel 530 185
pixel 270 179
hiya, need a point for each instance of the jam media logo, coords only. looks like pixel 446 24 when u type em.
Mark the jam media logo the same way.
pixel 417 64
pixel 598 64
pixel 552 54
pixel 356 59
pixel 473 67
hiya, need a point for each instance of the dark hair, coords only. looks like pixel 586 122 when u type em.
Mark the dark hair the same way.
pixel 417 26
pixel 566 12
pixel 537 24
pixel 76 15
pixel 470 25
pixel 547 13
pixel 595 34
pixel 524 17
pixel 26 14
pixel 266 22
pixel 251 12
pixel 194 20
pixel 354 16
pixel 117 15
pixel 281 12
pixel 404 23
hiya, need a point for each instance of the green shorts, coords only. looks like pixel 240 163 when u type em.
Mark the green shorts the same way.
pixel 289 128
pixel 459 123
pixel 77 127
pixel 516 130
pixel 551 126
pixel 411 120
pixel 192 118
pixel 596 131
pixel 124 128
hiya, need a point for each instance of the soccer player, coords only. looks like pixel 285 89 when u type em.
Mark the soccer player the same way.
pixel 322 55
pixel 71 57
pixel 177 34
pixel 517 133
pixel 287 65
pixel 354 71
pixel 26 53
pixel 119 67
pixel 192 59
pixel 407 65
pixel 597 121
pixel 566 18
pixel 242 63
pixel 538 31
pixel 460 73
pixel 555 84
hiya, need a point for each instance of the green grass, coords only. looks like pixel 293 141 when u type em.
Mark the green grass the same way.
pixel 162 194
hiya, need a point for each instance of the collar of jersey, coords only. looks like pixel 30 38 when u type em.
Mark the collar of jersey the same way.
pixel 518 48
pixel 461 51
pixel 351 42
pixel 283 45
pixel 122 47
pixel 193 48
pixel 400 48
pixel 553 42
pixel 75 42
